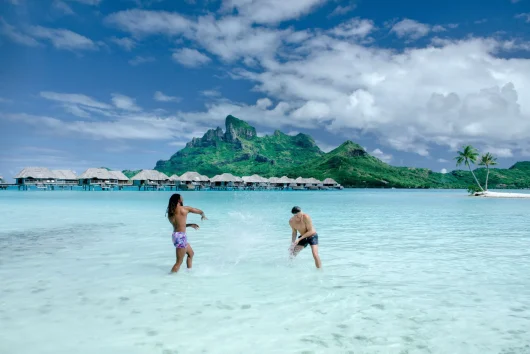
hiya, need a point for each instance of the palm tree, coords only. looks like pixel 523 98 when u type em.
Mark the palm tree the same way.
pixel 487 160
pixel 468 156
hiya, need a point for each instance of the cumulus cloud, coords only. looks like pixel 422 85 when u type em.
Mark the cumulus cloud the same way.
pixel 63 38
pixel 381 155
pixel 126 43
pixel 342 10
pixel 160 97
pixel 271 11
pixel 499 151
pixel 191 58
pixel 410 29
pixel 125 102
pixel 443 170
pixel 354 28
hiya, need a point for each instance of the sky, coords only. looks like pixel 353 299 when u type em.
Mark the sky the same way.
pixel 124 83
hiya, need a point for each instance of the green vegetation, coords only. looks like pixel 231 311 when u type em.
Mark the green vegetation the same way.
pixel 487 160
pixel 130 173
pixel 240 151
pixel 468 156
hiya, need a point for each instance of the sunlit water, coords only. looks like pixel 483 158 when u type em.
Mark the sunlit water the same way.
pixel 403 272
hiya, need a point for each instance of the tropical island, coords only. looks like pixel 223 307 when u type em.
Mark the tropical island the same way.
pixel 240 151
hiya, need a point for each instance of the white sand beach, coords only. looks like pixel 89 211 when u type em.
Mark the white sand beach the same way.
pixel 503 195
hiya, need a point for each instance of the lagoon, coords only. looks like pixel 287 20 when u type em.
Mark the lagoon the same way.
pixel 404 271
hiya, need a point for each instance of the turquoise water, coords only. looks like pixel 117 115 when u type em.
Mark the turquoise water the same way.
pixel 403 272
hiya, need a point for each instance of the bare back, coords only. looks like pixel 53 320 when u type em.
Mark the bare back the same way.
pixel 302 224
pixel 179 219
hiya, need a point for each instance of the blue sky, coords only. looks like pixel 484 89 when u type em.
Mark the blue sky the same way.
pixel 124 83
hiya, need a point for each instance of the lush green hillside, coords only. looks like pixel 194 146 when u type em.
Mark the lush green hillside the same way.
pixel 240 151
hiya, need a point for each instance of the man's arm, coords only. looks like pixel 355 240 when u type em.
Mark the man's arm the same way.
pixel 294 234
pixel 196 211
pixel 309 226
pixel 195 226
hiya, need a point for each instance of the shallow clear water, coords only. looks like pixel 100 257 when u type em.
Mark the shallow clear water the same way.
pixel 403 272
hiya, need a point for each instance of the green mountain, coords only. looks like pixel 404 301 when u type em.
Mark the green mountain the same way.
pixel 240 151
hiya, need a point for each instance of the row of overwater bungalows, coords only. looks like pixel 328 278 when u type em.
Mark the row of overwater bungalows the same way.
pixel 44 178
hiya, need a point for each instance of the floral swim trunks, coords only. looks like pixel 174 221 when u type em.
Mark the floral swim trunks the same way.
pixel 180 240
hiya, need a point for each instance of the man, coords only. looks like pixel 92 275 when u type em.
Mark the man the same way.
pixel 177 215
pixel 301 222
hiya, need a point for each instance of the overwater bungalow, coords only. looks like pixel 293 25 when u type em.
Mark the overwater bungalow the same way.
pixel 254 182
pixel 65 178
pixel 150 179
pixel 174 181
pixel 40 177
pixel 121 178
pixel 226 181
pixel 192 180
pixel 331 183
pixel 312 183
pixel 97 177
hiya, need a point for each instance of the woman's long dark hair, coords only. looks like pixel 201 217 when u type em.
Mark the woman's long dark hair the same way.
pixel 172 205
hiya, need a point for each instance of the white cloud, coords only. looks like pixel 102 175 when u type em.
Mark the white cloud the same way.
pixel 481 21
pixel 191 58
pixel 438 28
pixel 499 152
pixel 14 35
pixel 63 39
pixel 442 160
pixel 443 170
pixel 354 28
pixel 381 155
pixel 73 98
pixel 126 43
pixel 211 93
pixel 87 2
pixel 411 29
pixel 326 147
pixel 271 11
pixel 63 7
pixel 160 97
pixel 342 10
pixel 125 102
pixel 524 16
pixel 142 22
pixel 141 60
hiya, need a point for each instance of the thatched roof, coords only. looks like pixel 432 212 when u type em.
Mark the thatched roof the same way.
pixel 226 177
pixel 274 180
pixel 300 180
pixel 174 178
pixel 191 177
pixel 205 178
pixel 35 172
pixel 312 180
pixel 118 175
pixel 150 175
pixel 64 174
pixel 99 173
pixel 329 181
pixel 254 179
pixel 284 179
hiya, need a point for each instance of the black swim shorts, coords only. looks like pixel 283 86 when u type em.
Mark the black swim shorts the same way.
pixel 313 241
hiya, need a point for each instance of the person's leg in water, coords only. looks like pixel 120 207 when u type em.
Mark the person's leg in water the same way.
pixel 181 252
pixel 190 253
pixel 314 250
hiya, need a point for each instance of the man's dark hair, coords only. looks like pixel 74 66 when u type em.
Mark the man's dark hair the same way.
pixel 172 205
pixel 296 210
